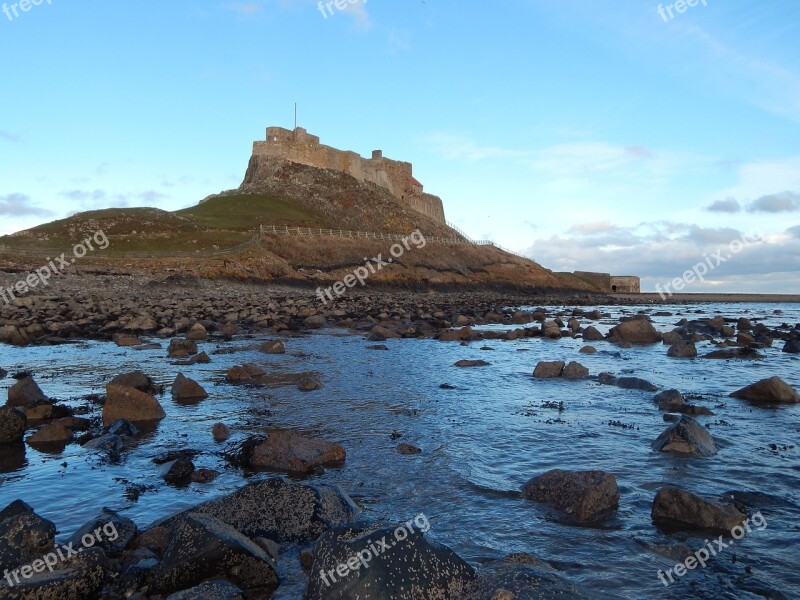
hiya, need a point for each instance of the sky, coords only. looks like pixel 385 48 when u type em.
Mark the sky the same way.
pixel 590 135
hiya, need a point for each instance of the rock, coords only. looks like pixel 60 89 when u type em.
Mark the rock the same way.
pixel 408 449
pixel 24 535
pixel 694 410
pixel 117 532
pixel 315 322
pixel 745 338
pixel 39 412
pixel 25 392
pixel 591 334
pixel 13 423
pixel 744 324
pixel 53 433
pixel 75 578
pixel 682 349
pixel 110 443
pixel 288 451
pixel 669 400
pixel 471 363
pixel 126 341
pixel 378 347
pixel 635 383
pixel 586 496
pixel 214 589
pixel 197 333
pixel 253 370
pixel 273 347
pixel 412 566
pixel 220 432
pixel 674 508
pixel 381 334
pixel 792 346
pixel 187 389
pixel 181 348
pixel 549 369
pixel 575 370
pixel 237 375
pixel 730 353
pixel 178 472
pixel 672 337
pixel 138 381
pixel 513 580
pixel 203 547
pixel 635 331
pixel 551 330
pixel 277 509
pixel 464 334
pixel 308 384
pixel 130 404
pixel 123 427
pixel 203 475
pixel 686 436
pixel 200 359
pixel 606 378
pixel 772 390
pixel 588 350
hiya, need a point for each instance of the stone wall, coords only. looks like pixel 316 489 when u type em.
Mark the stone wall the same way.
pixel 395 176
pixel 625 284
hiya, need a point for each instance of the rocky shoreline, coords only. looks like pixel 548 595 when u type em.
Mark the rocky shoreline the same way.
pixel 229 547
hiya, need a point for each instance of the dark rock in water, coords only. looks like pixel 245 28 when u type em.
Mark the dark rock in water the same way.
pixel 727 353
pixel 397 563
pixel 378 347
pixel 220 432
pixel 512 580
pixel 123 427
pixel 24 535
pixel 471 363
pixel 682 349
pixel 288 451
pixel 112 532
pixel 238 374
pixel 185 389
pixel 203 475
pixel 178 471
pixel 3 373
pixel 216 589
pixel 591 334
pixel 315 322
pixel 772 390
pixel 203 547
pixel 24 393
pixel 675 508
pixel 635 383
pixel 792 346
pixel 686 436
pixel 53 433
pixel 110 443
pixel 138 381
pixel 743 324
pixel 586 496
pixel 575 370
pixel 458 335
pixel 447 386
pixel 76 578
pixel 635 331
pixel 278 510
pixel 694 410
pixel 273 347
pixel 408 449
pixel 755 501
pixel 607 379
pixel 588 350
pixel 181 348
pixel 130 404
pixel 308 384
pixel 549 369
pixel 669 400
pixel 13 423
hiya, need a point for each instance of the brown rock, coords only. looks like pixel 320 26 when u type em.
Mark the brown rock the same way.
pixel 12 425
pixel 772 390
pixel 221 432
pixel 587 496
pixel 549 370
pixel 184 388
pixel 408 449
pixel 26 391
pixel 54 433
pixel 675 508
pixel 588 350
pixel 575 370
pixel 273 347
pixel 686 436
pixel 130 404
pixel 592 334
pixel 286 450
pixel 471 363
pixel 635 331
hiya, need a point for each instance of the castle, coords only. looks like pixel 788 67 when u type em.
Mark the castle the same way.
pixel 395 176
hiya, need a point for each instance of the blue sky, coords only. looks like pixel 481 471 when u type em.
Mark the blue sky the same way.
pixel 592 135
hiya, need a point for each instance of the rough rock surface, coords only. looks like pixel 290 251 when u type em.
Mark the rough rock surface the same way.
pixel 686 436
pixel 772 390
pixel 586 496
pixel 674 508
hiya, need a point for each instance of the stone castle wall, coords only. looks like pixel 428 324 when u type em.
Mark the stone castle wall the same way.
pixel 395 176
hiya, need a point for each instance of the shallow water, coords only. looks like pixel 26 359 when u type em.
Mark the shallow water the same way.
pixel 481 443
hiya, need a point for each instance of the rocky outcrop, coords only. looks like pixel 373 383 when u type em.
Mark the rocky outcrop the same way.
pixel 586 496
pixel 772 390
pixel 130 404
pixel 12 425
pixel 674 508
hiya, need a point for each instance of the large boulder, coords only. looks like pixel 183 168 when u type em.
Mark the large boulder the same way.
pixel 592 334
pixel 792 346
pixel 76 578
pixel 181 348
pixel 12 425
pixel 352 563
pixel 686 436
pixel 273 347
pixel 201 547
pixel 635 331
pixel 524 577
pixel 24 393
pixel 772 390
pixel 575 370
pixel 24 535
pixel 286 450
pixel 278 510
pixel 130 404
pixel 675 508
pixel 116 532
pixel 586 496
pixel 669 400
pixel 52 433
pixel 682 349
pixel 187 390
pixel 549 369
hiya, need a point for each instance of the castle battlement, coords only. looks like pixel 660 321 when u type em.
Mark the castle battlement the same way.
pixel 395 176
